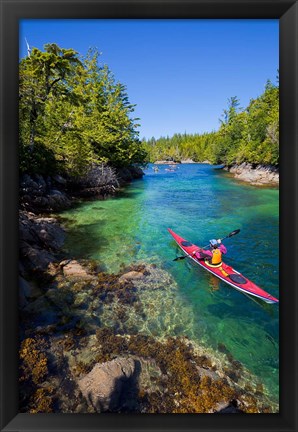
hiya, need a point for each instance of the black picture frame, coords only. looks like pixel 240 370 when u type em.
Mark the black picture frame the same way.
pixel 287 13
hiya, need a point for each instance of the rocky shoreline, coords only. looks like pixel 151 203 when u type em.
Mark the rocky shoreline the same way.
pixel 257 175
pixel 81 348
pixel 40 194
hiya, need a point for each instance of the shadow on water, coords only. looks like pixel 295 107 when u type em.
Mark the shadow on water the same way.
pixel 129 193
pixel 223 310
pixel 87 240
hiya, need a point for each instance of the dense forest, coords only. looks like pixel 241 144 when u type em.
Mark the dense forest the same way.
pixel 73 114
pixel 245 135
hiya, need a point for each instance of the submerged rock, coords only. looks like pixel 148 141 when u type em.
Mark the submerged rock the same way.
pixel 76 270
pixel 132 275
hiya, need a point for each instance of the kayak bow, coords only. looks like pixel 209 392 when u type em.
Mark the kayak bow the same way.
pixel 224 271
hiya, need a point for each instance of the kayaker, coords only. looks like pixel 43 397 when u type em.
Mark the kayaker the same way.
pixel 214 255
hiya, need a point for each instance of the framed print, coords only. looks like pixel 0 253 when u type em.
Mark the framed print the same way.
pixel 148 247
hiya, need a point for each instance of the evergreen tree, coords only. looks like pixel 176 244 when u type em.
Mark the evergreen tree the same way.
pixel 245 135
pixel 73 114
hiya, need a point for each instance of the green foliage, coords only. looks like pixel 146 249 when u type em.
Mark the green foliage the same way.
pixel 245 135
pixel 75 112
pixel 178 147
pixel 38 160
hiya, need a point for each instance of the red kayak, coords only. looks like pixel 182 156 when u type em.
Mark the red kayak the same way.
pixel 223 271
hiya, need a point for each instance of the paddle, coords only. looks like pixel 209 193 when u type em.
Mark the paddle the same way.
pixel 229 235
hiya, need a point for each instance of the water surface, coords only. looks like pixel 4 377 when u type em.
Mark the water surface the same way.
pixel 199 203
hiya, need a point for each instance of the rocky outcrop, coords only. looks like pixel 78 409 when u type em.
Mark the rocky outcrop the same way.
pixel 53 194
pixel 107 385
pixel 39 194
pixel 256 175
pixel 129 173
pixel 40 239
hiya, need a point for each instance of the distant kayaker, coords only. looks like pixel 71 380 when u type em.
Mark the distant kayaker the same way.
pixel 214 255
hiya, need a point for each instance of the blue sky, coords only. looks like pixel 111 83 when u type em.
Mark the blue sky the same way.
pixel 179 73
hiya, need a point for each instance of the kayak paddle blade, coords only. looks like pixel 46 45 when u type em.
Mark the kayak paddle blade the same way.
pixel 234 233
pixel 180 258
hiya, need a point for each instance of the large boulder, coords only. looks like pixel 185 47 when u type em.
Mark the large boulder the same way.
pixel 107 386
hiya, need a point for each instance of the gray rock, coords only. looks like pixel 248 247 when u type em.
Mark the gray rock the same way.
pixel 36 194
pixel 125 174
pixel 37 259
pixel 259 175
pixel 40 181
pixel 25 179
pixel 136 172
pixel 40 231
pixel 187 161
pixel 41 202
pixel 55 192
pixel 106 385
pixel 59 179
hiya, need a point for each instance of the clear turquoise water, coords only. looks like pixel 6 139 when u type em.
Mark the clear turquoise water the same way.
pixel 199 203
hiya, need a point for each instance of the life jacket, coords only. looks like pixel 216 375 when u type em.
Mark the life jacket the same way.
pixel 216 256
